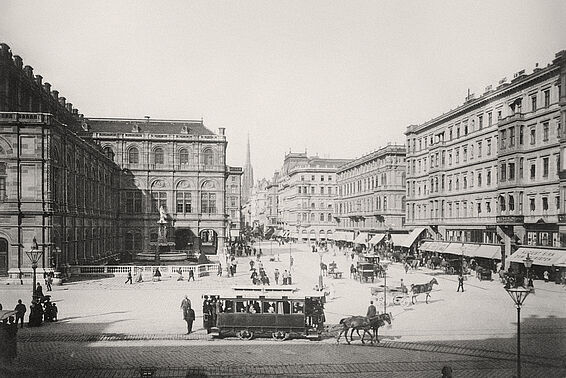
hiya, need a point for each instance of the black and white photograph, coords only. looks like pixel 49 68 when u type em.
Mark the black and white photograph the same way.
pixel 293 188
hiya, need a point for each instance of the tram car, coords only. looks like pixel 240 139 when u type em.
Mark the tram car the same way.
pixel 279 313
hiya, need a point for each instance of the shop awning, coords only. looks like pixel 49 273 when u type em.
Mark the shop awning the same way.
pixel 454 248
pixel 347 236
pixel 427 246
pixel 376 238
pixel 285 234
pixel 410 239
pixel 361 238
pixel 540 256
pixel 398 239
pixel 488 252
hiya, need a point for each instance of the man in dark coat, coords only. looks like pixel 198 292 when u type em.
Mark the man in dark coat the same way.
pixel 460 283
pixel 372 311
pixel 21 309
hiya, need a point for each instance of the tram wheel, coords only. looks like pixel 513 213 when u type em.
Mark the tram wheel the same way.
pixel 279 336
pixel 245 334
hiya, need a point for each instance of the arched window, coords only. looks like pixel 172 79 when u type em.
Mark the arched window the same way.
pixel 184 156
pixel 158 156
pixel 109 153
pixel 329 219
pixel 322 217
pixel 133 156
pixel 312 217
pixel 208 157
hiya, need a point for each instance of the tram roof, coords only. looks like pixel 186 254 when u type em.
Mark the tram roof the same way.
pixel 252 292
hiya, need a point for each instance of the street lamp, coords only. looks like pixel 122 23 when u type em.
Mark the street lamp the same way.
pixel 518 295
pixel 528 263
pixel 384 266
pixel 320 280
pixel 34 255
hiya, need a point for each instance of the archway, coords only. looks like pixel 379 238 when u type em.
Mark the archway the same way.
pixel 208 241
pixel 184 239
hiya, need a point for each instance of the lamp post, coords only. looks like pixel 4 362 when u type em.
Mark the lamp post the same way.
pixel 320 279
pixel 462 248
pixel 34 255
pixel 518 295
pixel 528 263
pixel 384 288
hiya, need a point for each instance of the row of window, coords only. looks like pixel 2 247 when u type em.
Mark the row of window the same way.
pixel 313 177
pixel 183 202
pixel 158 156
pixel 305 190
pixel 372 165
pixel 508 204
pixel 377 203
pixel 464 127
pixel 322 217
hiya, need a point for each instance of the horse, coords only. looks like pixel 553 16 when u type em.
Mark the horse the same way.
pixel 422 288
pixel 357 323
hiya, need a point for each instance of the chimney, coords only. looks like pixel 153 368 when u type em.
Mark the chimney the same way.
pixel 69 107
pixel 18 61
pixel 5 51
pixel 39 80
pixel 62 100
pixel 75 112
pixel 221 130
pixel 55 94
pixel 47 87
pixel 28 70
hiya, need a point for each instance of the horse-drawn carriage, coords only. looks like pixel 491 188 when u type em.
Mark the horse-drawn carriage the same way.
pixel 393 294
pixel 483 273
pixel 452 266
pixel 366 271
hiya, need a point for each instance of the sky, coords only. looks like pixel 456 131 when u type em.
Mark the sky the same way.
pixel 335 78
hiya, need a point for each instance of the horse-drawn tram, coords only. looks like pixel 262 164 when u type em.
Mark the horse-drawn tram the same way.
pixel 280 313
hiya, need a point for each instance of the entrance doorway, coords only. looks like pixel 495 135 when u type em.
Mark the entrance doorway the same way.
pixel 208 242
pixel 184 239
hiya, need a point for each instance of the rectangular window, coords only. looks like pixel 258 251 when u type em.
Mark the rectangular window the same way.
pixel 133 202
pixel 208 203
pixel 534 103
pixel 545 167
pixel 488 179
pixel 489 118
pixel 503 172
pixel 479 180
pixel 545 128
pixel 533 135
pixel 533 171
pixel 184 202
pixel 479 148
pixel 512 137
pixel 521 135
pixel 480 122
pixel 521 163
pixel 2 188
pixel 547 98
pixel 488 147
pixel 545 203
pixel 511 171
pixel 503 139
pixel 499 115
pixel 158 199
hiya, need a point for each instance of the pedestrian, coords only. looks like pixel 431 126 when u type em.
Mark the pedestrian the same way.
pixel 21 310
pixel 285 277
pixel 48 281
pixel 54 312
pixel 460 283
pixel 219 270
pixel 406 267
pixel 372 311
pixel 129 278
pixel 191 275
pixel 39 291
pixel 545 275
pixel 403 287
pixel 276 274
pixel 157 275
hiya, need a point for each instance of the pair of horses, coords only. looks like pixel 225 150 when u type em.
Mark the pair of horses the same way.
pixel 363 323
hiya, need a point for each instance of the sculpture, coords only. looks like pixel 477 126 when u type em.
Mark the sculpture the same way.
pixel 162 214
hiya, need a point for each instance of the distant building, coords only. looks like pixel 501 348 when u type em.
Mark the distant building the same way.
pixel 371 197
pixel 490 172
pixel 234 202
pixel 306 190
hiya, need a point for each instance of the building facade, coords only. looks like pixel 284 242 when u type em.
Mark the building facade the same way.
pixel 489 171
pixel 55 185
pixel 90 190
pixel 234 201
pixel 306 191
pixel 371 194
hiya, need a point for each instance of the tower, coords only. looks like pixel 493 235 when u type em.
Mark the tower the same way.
pixel 248 177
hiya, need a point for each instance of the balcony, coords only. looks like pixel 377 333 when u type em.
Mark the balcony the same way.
pixel 510 219
pixel 511 119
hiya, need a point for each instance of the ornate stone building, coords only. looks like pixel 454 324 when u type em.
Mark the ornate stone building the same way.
pixel 89 189
pixel 306 190
pixel 55 185
pixel 489 171
pixel 371 196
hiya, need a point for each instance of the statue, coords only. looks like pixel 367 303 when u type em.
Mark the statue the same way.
pixel 162 214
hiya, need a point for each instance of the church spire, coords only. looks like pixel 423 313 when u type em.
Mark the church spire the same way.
pixel 248 178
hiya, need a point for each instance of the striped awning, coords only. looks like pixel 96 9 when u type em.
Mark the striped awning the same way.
pixel 410 239
pixel 398 239
pixel 361 238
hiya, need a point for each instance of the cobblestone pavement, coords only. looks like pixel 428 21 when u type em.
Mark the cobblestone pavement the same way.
pixel 107 359
pixel 107 328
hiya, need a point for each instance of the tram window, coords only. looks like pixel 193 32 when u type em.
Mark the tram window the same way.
pixel 298 307
pixel 254 307
pixel 240 306
pixel 228 306
pixel 268 307
pixel 283 307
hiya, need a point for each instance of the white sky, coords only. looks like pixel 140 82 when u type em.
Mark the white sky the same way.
pixel 338 78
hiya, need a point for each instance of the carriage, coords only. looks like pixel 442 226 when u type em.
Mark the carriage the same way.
pixel 483 273
pixel 280 314
pixel 366 271
pixel 394 295
pixel 453 266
